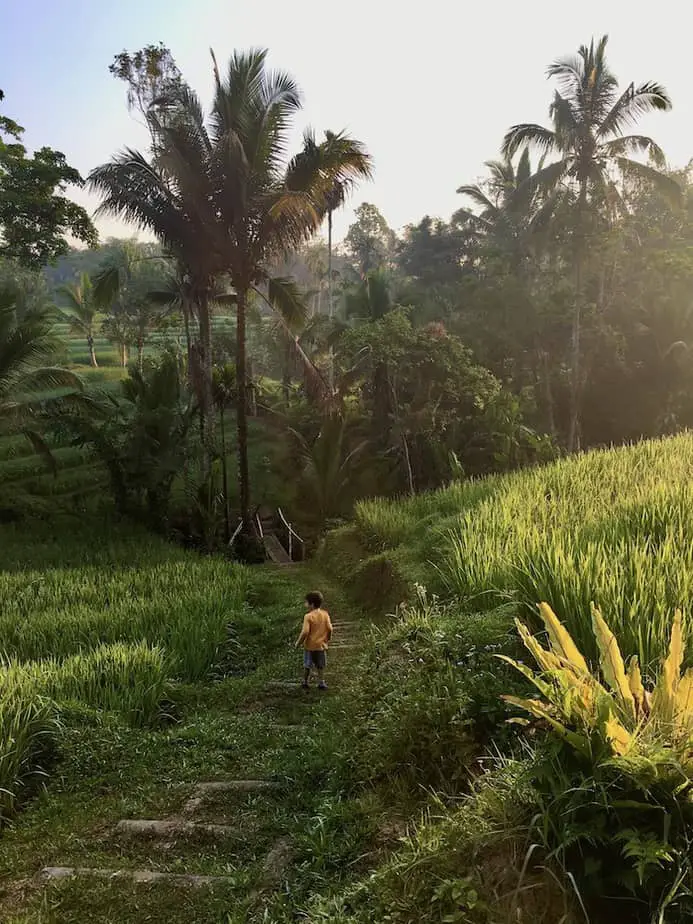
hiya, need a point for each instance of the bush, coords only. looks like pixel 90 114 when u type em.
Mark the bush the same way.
pixel 465 865
pixel 431 693
pixel 614 790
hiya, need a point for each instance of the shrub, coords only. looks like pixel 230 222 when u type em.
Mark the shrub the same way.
pixel 431 693
pixel 614 795
pixel 464 865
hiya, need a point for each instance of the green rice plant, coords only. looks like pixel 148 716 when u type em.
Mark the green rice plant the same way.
pixel 26 466
pixel 612 527
pixel 128 679
pixel 27 731
pixel 169 599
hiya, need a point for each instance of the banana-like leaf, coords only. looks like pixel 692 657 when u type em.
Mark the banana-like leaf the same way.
pixel 611 663
pixel 561 641
pixel 619 737
pixel 637 690
pixel 664 696
pixel 684 702
pixel 540 711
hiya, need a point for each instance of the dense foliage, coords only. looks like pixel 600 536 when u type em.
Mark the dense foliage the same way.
pixel 35 213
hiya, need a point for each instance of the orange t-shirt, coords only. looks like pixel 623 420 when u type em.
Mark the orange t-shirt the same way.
pixel 316 631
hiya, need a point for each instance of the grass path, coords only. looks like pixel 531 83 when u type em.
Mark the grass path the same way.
pixel 267 847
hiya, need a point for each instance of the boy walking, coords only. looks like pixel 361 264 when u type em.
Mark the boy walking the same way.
pixel 315 637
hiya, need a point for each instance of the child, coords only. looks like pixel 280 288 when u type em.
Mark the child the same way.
pixel 315 637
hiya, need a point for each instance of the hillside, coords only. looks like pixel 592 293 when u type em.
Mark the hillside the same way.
pixel 613 527
pixel 163 736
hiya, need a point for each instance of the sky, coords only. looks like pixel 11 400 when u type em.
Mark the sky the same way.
pixel 430 87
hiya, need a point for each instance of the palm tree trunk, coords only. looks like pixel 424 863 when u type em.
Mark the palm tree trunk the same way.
pixel 329 290
pixel 407 461
pixel 548 392
pixel 242 411
pixel 185 311
pixel 575 383
pixel 225 475
pixel 92 352
pixel 206 396
pixel 140 353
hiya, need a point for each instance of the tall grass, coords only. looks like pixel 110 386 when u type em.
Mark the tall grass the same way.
pixel 129 679
pixel 614 527
pixel 125 592
pixel 27 730
pixel 104 617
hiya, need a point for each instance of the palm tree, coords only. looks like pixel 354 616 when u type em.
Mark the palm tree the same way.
pixel 514 209
pixel 326 468
pixel 590 116
pixel 361 168
pixel 370 299
pixel 336 195
pixel 225 201
pixel 27 346
pixel 514 214
pixel 168 197
pixel 81 311
pixel 124 283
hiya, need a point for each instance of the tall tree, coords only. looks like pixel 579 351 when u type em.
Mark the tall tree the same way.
pixel 369 240
pixel 80 311
pixel 35 213
pixel 512 209
pixel 150 75
pixel 129 282
pixel 224 200
pixel 225 393
pixel 590 116
pixel 335 199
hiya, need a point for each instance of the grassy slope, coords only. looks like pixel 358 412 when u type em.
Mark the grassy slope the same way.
pixel 613 527
pixel 230 728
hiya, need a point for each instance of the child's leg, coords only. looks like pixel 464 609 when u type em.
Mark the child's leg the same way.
pixel 307 661
pixel 320 664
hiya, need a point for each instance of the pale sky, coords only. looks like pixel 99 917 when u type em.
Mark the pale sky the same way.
pixel 430 88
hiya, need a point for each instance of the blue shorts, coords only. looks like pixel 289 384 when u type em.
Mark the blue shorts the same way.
pixel 316 659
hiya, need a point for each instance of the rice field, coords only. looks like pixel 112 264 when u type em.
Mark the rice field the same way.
pixel 613 527
pixel 79 477
pixel 102 618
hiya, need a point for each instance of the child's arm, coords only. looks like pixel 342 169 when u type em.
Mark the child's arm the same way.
pixel 305 631
pixel 329 628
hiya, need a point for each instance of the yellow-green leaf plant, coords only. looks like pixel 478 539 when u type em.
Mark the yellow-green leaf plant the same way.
pixel 614 706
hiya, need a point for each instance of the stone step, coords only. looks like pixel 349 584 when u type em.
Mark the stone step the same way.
pixel 53 873
pixel 170 827
pixel 204 790
pixel 235 786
